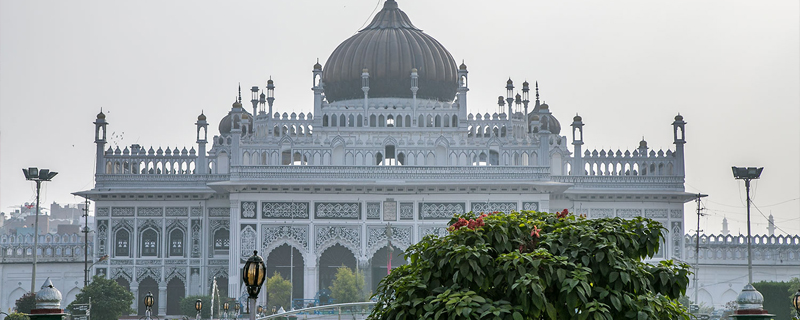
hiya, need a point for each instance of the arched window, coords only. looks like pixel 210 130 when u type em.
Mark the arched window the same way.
pixel 222 240
pixel 122 239
pixel 334 121
pixel 421 122
pixel 342 121
pixel 352 121
pixel 408 121
pixel 149 243
pixel 372 121
pixel 360 121
pixel 176 243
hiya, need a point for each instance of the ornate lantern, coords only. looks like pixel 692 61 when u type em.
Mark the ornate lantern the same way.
pixel 148 300
pixel 796 302
pixel 253 274
pixel 225 306
pixel 236 307
pixel 198 305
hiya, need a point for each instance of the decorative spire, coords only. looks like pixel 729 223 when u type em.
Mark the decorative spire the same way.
pixel 240 92
pixel 537 91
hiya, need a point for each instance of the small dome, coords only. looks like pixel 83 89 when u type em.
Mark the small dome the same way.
pixel 244 116
pixel 577 118
pixel 509 81
pixel 544 106
pixel 48 297
pixel 525 84
pixel 225 123
pixel 101 115
pixel 462 66
pixel 317 66
pixel 534 118
pixel 642 144
pixel 679 117
pixel 236 104
pixel 414 70
pixel 270 81
pixel 201 117
pixel 750 299
pixel 550 123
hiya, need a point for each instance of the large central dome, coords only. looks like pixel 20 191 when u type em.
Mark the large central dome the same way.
pixel 390 47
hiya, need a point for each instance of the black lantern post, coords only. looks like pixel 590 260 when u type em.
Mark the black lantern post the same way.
pixel 225 307
pixel 260 310
pixel 796 303
pixel 253 275
pixel 39 176
pixel 747 174
pixel 198 305
pixel 236 309
pixel 148 303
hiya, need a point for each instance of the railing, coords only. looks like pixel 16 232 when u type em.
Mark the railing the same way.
pixel 732 250
pixel 373 173
pixel 104 180
pixel 351 310
pixel 638 162
pixel 623 182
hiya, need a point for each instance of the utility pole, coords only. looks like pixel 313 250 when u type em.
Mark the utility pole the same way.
pixel 697 247
pixel 86 243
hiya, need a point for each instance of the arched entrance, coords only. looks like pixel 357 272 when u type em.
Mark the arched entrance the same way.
pixel 176 290
pixel 380 262
pixel 145 286
pixel 222 285
pixel 124 283
pixel 330 260
pixel 288 262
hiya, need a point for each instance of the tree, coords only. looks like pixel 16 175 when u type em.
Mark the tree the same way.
pixel 534 265
pixel 109 299
pixel 25 303
pixel 279 292
pixel 348 286
pixel 17 316
pixel 775 299
pixel 187 306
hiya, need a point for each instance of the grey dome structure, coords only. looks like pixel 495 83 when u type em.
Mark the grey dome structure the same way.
pixel 389 48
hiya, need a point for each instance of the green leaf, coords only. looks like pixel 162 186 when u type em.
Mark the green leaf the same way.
pixel 517 315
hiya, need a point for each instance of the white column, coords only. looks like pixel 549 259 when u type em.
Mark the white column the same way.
pixel 162 298
pixel 135 291
pixel 234 265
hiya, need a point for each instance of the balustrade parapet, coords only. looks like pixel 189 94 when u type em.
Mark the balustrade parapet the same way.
pixel 319 173
pixel 623 182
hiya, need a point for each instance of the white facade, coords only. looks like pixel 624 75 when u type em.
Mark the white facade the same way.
pixel 174 220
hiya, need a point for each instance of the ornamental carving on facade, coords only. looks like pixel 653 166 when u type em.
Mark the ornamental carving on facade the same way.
pixel 629 213
pixel 122 272
pixel 656 213
pixel 504 207
pixel 197 227
pixel 601 213
pixel 122 212
pixel 177 211
pixel 149 211
pixel 173 272
pixel 401 238
pixel 337 210
pixel 676 213
pixel 373 210
pixel 440 210
pixel 219 212
pixel 530 206
pixel 284 210
pixel 437 231
pixel 101 212
pixel 142 273
pixel 406 211
pixel 197 212
pixel 102 236
pixel 248 238
pixel 349 237
pixel 248 209
pixel 271 236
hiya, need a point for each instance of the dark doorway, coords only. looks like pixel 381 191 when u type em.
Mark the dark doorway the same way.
pixel 147 285
pixel 222 285
pixel 176 290
pixel 282 260
pixel 379 264
pixel 330 260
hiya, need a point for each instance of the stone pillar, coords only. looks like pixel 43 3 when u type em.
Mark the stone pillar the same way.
pixel 310 277
pixel 365 267
pixel 135 291
pixel 235 251
pixel 162 298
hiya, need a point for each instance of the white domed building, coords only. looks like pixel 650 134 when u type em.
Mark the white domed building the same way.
pixel 391 141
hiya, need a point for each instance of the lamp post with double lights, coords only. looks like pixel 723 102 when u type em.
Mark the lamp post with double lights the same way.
pixel 253 274
pixel 747 174
pixel 35 174
pixel 198 305
pixel 148 304
pixel 225 307
pixel 236 309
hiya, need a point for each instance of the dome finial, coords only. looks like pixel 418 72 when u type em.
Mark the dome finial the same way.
pixel 240 92
pixel 537 91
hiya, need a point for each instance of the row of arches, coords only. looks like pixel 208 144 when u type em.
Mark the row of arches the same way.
pixel 389 120
pixel 150 167
pixel 628 168
pixel 150 243
pixel 45 238
pixel 44 251
pixel 439 156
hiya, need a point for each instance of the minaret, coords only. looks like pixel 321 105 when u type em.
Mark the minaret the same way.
pixel 100 140
pixel 317 87
pixel 414 89
pixel 771 225
pixel 365 88
pixel 725 230
pixel 201 167
pixel 577 145
pixel 525 100
pixel 463 87
pixel 254 100
pixel 270 101
pixel 678 128
pixel 509 95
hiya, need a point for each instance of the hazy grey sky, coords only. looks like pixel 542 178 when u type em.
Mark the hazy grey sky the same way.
pixel 731 68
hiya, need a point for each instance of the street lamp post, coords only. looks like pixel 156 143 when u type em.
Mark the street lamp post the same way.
pixel 148 303
pixel 34 174
pixel 260 310
pixel 253 274
pixel 747 174
pixel 236 309
pixel 225 307
pixel 198 305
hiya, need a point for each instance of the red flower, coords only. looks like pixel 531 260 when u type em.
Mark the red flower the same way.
pixel 535 232
pixel 562 214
